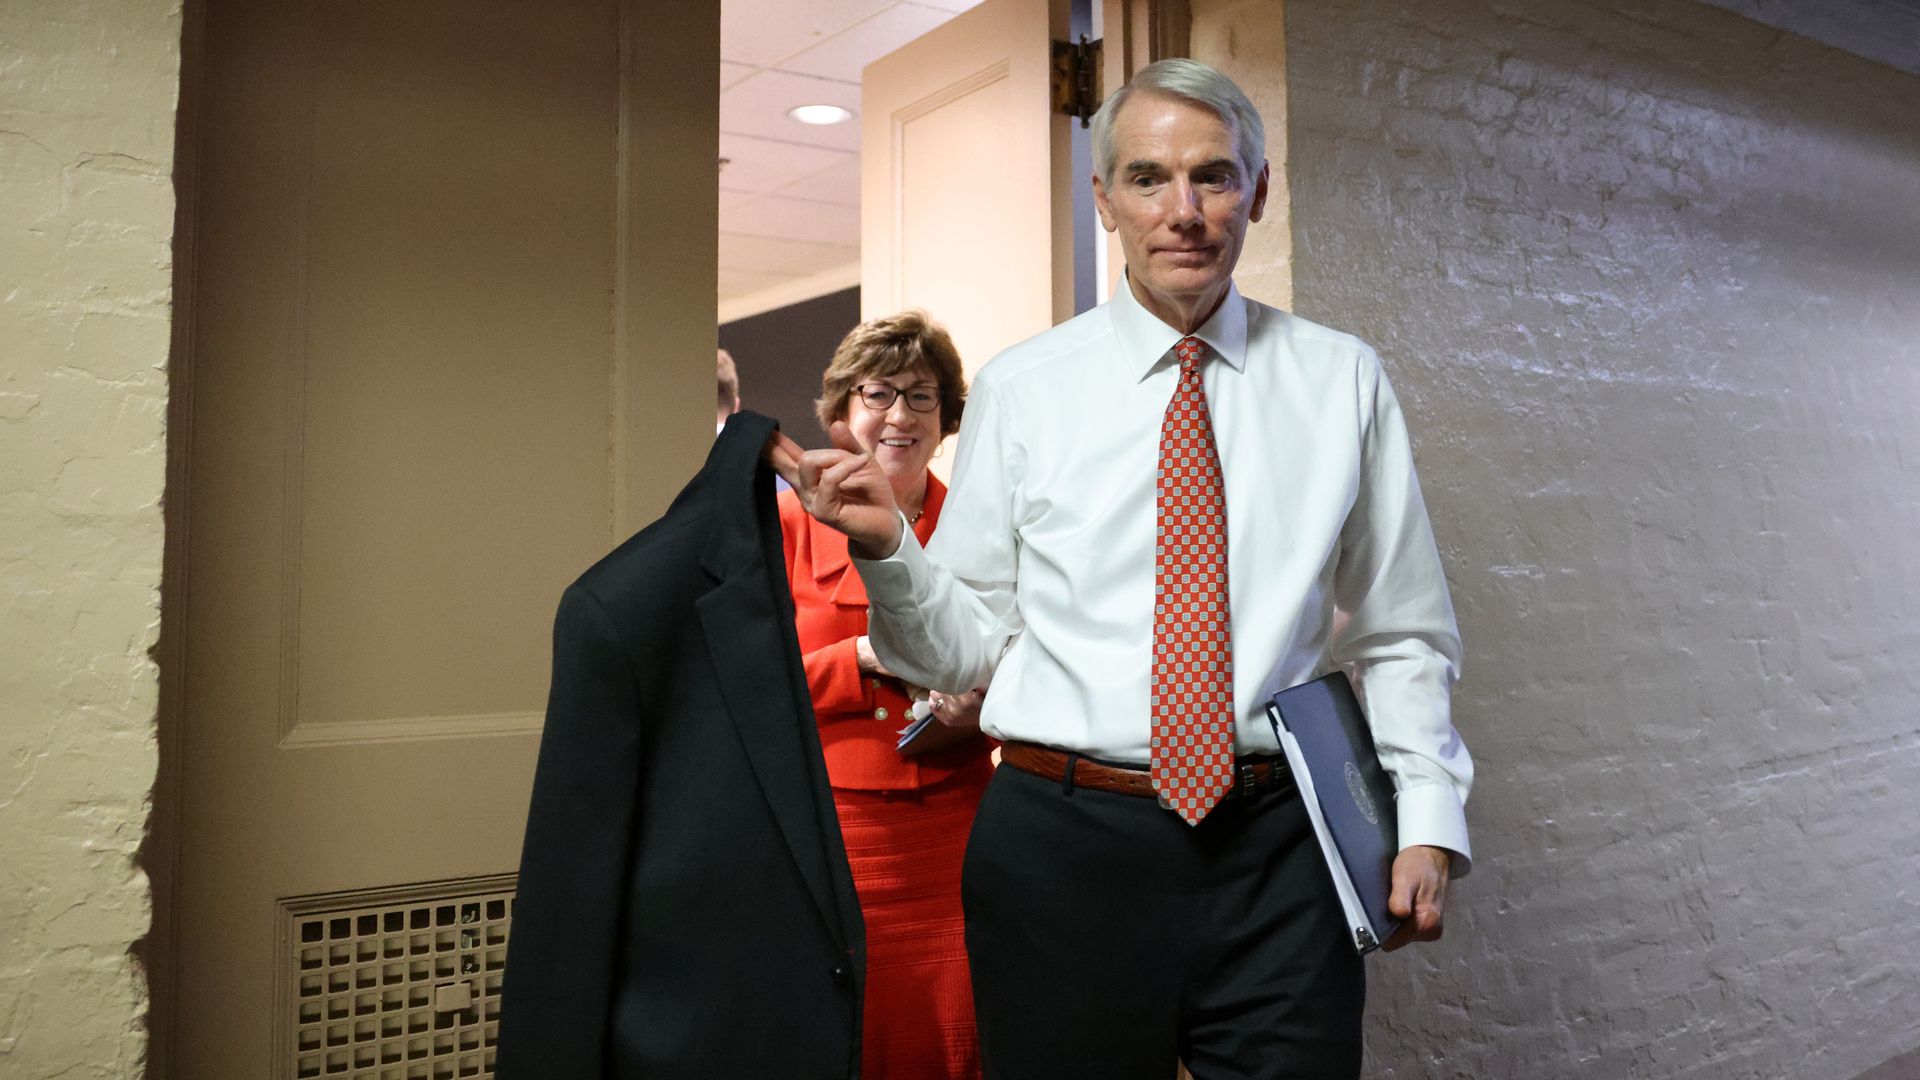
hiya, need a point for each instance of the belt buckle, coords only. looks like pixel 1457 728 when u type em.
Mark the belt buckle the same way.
pixel 1248 785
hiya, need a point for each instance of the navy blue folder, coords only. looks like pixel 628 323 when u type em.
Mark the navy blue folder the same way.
pixel 1348 795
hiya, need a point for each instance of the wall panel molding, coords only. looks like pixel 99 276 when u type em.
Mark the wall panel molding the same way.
pixel 298 198
pixel 946 95
pixel 411 729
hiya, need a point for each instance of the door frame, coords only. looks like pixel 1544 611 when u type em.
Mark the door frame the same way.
pixel 160 850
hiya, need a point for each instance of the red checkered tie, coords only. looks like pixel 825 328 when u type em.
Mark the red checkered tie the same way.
pixel 1192 746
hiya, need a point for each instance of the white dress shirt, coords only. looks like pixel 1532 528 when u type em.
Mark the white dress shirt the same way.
pixel 1040 578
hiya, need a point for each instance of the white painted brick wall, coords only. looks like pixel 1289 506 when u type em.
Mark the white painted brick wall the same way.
pixel 1647 277
pixel 87 92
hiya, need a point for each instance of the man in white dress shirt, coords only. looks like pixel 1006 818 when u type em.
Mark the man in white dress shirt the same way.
pixel 1161 513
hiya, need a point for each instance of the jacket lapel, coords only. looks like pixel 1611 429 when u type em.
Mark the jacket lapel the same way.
pixel 830 558
pixel 830 555
pixel 747 620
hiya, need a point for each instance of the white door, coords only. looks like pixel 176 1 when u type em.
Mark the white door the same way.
pixel 965 193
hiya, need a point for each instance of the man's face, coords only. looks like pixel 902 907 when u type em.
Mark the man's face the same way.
pixel 1180 202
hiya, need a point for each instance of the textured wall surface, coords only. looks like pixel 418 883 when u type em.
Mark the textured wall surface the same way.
pixel 87 93
pixel 1646 275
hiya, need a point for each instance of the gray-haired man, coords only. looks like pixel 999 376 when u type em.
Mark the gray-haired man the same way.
pixel 1157 510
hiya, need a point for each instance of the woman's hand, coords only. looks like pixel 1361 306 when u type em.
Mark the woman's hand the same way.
pixel 867 659
pixel 842 488
pixel 957 710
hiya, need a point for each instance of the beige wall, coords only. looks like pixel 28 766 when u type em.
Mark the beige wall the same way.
pixel 87 95
pixel 1646 275
pixel 1247 40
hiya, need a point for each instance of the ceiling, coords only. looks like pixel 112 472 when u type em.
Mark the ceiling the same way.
pixel 790 192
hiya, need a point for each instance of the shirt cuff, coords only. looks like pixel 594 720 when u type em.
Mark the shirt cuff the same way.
pixel 891 582
pixel 1431 814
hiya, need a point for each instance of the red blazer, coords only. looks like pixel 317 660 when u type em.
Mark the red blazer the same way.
pixel 859 715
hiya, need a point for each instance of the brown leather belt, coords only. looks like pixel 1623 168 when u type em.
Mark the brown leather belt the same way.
pixel 1251 775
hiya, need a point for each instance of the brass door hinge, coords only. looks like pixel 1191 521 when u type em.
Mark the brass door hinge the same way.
pixel 1076 78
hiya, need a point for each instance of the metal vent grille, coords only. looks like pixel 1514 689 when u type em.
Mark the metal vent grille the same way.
pixel 394 984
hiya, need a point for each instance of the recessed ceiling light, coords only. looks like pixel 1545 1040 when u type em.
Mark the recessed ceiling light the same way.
pixel 819 114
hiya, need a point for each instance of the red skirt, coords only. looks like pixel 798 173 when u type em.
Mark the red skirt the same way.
pixel 905 849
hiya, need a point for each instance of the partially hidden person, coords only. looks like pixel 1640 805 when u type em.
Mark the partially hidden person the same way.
pixel 896 384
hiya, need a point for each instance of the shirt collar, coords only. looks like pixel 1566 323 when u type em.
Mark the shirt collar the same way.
pixel 1145 340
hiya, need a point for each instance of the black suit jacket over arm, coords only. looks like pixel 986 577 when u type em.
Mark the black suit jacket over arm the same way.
pixel 685 908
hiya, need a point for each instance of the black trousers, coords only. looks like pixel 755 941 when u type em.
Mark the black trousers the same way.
pixel 1109 939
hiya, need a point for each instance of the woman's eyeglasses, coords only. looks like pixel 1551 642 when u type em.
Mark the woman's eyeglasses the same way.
pixel 880 396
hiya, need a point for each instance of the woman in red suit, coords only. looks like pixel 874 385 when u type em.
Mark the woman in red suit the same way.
pixel 897 384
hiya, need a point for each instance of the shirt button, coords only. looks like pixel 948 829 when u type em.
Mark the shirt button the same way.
pixel 841 976
pixel 880 713
pixel 874 683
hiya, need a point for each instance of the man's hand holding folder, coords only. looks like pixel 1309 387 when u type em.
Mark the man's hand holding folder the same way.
pixel 1420 878
pixel 1387 892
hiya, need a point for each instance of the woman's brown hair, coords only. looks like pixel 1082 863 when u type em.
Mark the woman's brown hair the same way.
pixel 887 346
